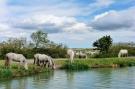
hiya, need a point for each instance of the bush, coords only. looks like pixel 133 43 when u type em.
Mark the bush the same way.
pixel 29 52
pixel 5 73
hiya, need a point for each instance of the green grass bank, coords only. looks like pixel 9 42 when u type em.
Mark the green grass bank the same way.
pixel 82 64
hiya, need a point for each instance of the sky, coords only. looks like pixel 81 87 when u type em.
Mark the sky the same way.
pixel 75 23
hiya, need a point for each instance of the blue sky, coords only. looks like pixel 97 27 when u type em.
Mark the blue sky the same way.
pixel 76 23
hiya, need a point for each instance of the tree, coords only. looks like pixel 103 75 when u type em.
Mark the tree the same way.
pixel 39 38
pixel 103 44
pixel 16 42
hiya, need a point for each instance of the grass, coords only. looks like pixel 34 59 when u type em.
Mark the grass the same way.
pixel 78 64
pixel 97 63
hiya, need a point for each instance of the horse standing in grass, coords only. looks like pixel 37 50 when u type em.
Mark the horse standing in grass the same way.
pixel 36 61
pixel 123 53
pixel 82 55
pixel 71 54
pixel 44 60
pixel 17 58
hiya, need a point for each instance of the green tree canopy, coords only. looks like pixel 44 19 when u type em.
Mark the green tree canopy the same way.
pixel 39 38
pixel 103 44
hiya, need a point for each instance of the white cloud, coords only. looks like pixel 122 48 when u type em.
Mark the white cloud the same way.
pixel 100 3
pixel 51 24
pixel 3 11
pixel 115 20
pixel 7 31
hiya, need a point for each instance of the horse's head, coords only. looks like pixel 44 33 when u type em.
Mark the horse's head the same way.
pixel 51 63
pixel 25 65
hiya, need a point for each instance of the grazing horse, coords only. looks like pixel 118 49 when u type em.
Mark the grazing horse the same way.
pixel 123 53
pixel 82 55
pixel 17 58
pixel 36 61
pixel 77 54
pixel 44 60
pixel 71 54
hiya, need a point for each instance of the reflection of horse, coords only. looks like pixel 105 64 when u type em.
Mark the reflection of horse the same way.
pixel 71 54
pixel 17 58
pixel 41 80
pixel 123 53
pixel 43 60
pixel 46 76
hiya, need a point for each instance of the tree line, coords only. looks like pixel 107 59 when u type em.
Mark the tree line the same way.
pixel 39 44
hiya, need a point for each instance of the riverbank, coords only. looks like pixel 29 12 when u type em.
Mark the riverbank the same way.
pixel 18 71
pixel 96 63
pixel 79 64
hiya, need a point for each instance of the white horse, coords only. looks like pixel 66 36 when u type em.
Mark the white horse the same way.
pixel 17 58
pixel 71 54
pixel 93 53
pixel 82 55
pixel 77 54
pixel 123 53
pixel 36 58
pixel 44 60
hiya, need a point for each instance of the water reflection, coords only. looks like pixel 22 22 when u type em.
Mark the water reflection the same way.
pixel 104 78
pixel 41 80
pixel 14 84
pixel 36 81
pixel 70 75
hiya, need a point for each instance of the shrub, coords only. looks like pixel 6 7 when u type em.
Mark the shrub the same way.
pixel 5 73
pixel 29 52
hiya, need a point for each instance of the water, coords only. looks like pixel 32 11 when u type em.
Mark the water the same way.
pixel 106 78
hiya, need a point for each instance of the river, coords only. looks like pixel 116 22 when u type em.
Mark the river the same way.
pixel 102 78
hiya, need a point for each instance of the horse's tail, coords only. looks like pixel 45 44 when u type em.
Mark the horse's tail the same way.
pixel 6 61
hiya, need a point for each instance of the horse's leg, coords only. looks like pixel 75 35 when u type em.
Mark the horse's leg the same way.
pixel 34 61
pixel 44 64
pixel 20 64
pixel 49 64
pixel 41 63
pixel 86 57
pixel 9 63
pixel 38 62
pixel 6 62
